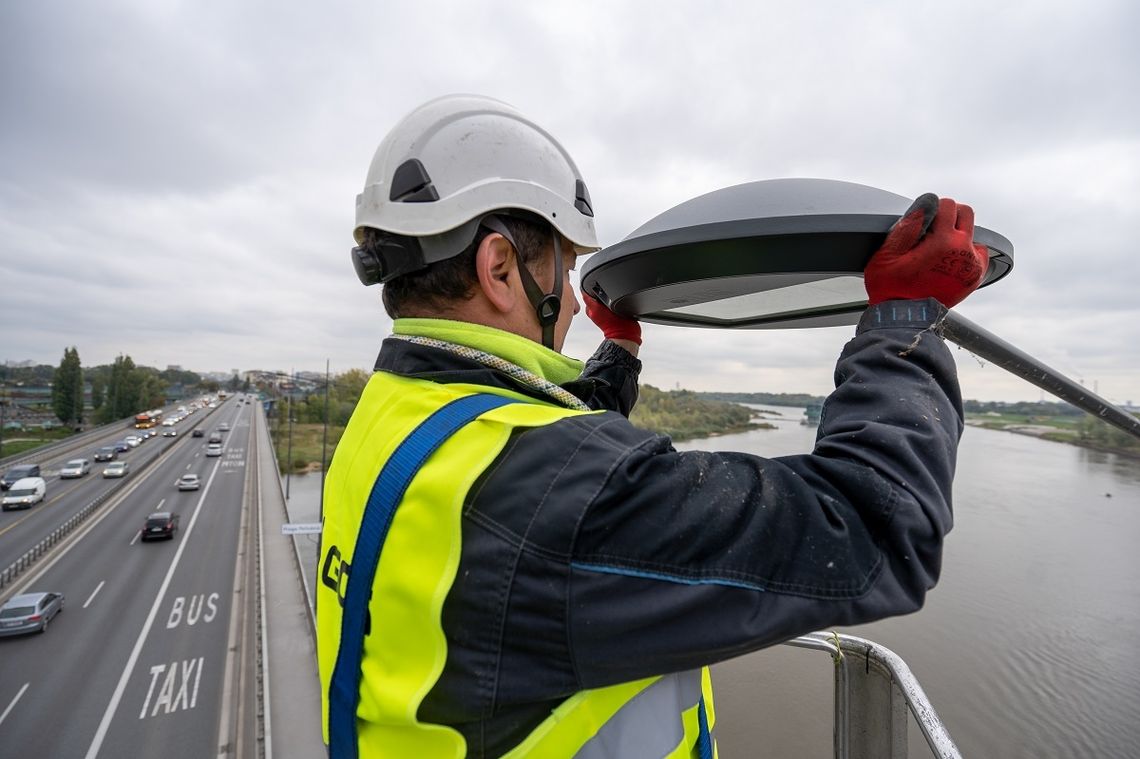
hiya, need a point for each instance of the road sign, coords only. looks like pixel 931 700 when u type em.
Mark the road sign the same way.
pixel 301 528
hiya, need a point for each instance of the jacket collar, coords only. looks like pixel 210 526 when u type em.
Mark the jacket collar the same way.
pixel 535 358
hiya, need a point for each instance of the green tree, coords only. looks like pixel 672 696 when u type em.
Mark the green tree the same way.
pixel 152 389
pixel 122 398
pixel 97 391
pixel 67 388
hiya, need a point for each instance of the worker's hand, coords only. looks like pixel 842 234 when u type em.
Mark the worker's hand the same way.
pixel 929 253
pixel 614 327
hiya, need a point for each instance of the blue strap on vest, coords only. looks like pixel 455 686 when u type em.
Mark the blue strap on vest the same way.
pixel 704 738
pixel 387 492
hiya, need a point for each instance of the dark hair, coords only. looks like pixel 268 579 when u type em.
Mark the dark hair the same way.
pixel 454 278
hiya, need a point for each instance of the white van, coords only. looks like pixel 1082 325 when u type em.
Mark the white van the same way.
pixel 25 493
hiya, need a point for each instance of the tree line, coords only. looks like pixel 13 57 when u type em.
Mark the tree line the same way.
pixel 684 414
pixel 118 390
pixel 344 392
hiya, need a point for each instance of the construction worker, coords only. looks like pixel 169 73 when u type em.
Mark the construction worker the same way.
pixel 509 567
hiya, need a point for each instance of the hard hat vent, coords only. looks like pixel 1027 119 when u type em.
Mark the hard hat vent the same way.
pixel 582 198
pixel 411 184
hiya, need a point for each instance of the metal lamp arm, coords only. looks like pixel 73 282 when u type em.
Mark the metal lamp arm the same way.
pixel 978 340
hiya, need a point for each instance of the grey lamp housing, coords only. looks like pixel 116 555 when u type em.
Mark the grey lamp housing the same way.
pixel 774 254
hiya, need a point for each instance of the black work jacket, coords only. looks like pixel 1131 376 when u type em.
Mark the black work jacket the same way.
pixel 594 553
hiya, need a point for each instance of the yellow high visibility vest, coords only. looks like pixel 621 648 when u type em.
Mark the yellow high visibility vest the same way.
pixel 405 648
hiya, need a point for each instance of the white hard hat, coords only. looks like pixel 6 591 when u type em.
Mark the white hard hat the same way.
pixel 458 158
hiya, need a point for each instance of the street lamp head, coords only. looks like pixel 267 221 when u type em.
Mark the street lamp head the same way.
pixel 774 254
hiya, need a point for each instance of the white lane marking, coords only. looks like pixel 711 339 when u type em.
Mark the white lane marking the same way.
pixel 17 698
pixel 94 593
pixel 189 465
pixel 117 696
pixel 159 506
pixel 136 537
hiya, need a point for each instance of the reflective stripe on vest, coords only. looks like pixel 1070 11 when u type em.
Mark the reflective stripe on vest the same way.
pixel 670 716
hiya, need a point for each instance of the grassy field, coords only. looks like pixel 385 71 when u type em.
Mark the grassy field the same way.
pixel 20 441
pixel 307 445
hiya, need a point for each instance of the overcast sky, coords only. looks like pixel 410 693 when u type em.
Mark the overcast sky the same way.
pixel 177 179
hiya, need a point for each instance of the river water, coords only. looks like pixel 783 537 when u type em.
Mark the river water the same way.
pixel 1028 647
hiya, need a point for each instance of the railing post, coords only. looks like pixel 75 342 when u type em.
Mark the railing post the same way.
pixel 876 709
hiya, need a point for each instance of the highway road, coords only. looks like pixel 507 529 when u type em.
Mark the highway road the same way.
pixel 153 653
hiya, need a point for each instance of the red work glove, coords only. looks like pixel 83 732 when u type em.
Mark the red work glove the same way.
pixel 614 327
pixel 942 263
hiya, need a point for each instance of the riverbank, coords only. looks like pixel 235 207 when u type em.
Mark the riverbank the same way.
pixel 1084 431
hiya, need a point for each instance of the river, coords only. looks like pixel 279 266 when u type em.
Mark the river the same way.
pixel 1025 647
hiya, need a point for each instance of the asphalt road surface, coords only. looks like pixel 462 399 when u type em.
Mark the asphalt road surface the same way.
pixel 145 658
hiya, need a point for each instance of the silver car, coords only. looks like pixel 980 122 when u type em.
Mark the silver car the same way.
pixel 188 481
pixel 116 469
pixel 75 468
pixel 29 612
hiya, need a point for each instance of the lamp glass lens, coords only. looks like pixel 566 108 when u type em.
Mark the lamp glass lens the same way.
pixel 820 293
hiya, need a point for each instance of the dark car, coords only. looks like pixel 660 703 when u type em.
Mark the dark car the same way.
pixel 106 453
pixel 160 524
pixel 18 473
pixel 121 446
pixel 215 437
pixel 197 433
pixel 29 612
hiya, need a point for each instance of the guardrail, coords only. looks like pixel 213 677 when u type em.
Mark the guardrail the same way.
pixel 874 689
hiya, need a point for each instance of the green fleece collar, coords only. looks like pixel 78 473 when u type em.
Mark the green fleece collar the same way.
pixel 535 358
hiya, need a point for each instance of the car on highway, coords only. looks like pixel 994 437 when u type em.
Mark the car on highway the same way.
pixel 214 449
pixel 29 612
pixel 197 433
pixel 106 453
pixel 169 432
pixel 24 493
pixel 115 469
pixel 223 427
pixel 17 473
pixel 188 481
pixel 74 468
pixel 160 524
pixel 121 446
pixel 133 440
pixel 215 437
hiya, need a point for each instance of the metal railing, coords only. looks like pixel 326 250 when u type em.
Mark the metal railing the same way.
pixel 874 690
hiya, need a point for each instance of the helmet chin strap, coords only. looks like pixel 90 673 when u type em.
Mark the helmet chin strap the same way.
pixel 547 306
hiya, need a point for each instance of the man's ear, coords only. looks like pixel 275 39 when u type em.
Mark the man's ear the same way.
pixel 495 268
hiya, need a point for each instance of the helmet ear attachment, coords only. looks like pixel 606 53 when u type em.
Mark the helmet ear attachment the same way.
pixel 547 309
pixel 390 258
